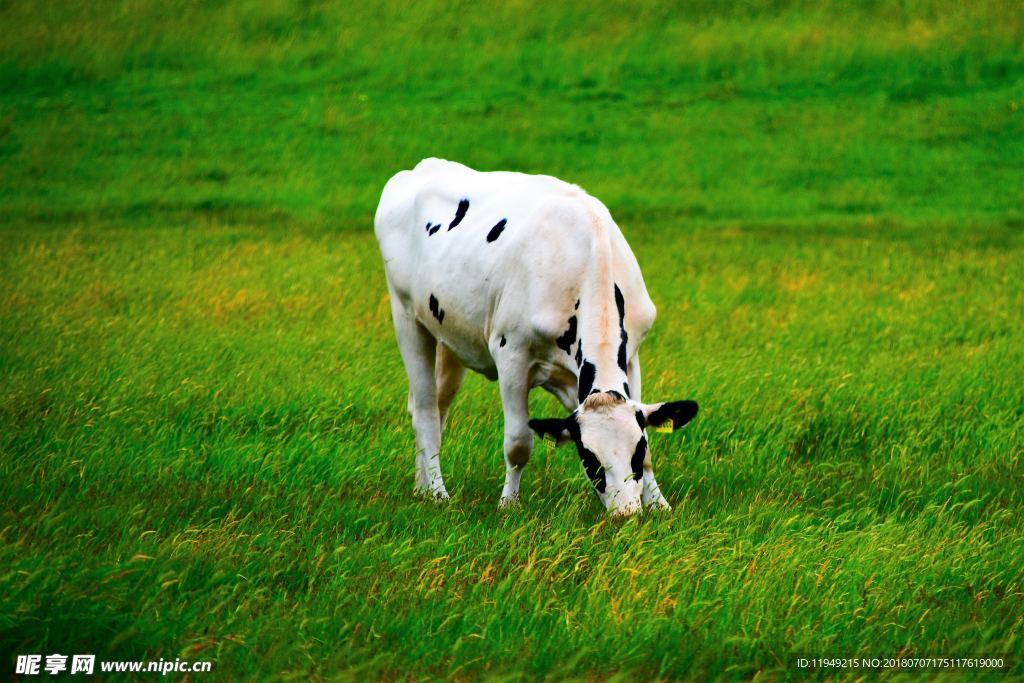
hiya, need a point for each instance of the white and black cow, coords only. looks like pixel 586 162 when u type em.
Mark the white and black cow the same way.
pixel 525 279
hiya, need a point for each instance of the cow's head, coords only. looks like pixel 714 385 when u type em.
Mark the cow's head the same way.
pixel 608 430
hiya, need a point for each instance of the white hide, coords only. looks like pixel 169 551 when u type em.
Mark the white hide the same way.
pixel 500 306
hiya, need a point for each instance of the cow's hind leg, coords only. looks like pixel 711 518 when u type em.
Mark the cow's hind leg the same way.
pixel 514 384
pixel 651 494
pixel 418 346
pixel 450 373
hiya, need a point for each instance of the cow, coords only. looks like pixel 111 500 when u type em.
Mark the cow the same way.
pixel 527 280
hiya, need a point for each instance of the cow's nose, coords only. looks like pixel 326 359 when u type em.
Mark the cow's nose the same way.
pixel 623 500
pixel 626 504
pixel 628 509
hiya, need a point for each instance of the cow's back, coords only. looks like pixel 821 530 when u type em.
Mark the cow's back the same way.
pixel 474 253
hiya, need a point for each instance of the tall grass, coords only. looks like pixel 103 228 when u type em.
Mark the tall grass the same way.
pixel 204 451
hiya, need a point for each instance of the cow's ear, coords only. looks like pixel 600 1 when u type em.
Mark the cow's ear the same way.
pixel 670 415
pixel 556 428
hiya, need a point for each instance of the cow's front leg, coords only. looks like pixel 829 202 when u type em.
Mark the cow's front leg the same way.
pixel 651 494
pixel 418 348
pixel 514 384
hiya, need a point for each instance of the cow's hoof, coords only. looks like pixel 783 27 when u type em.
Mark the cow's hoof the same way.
pixel 508 501
pixel 436 495
pixel 659 504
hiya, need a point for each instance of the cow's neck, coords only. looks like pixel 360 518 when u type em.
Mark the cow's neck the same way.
pixel 601 351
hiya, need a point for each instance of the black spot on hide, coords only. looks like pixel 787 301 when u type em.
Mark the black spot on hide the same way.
pixel 620 303
pixel 567 339
pixel 496 231
pixel 591 465
pixel 460 213
pixel 435 310
pixel 586 383
pixel 636 463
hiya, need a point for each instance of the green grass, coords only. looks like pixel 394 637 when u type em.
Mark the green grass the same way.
pixel 204 451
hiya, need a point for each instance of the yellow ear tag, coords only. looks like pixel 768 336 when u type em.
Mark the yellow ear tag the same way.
pixel 666 427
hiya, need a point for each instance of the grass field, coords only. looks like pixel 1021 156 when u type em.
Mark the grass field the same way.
pixel 204 450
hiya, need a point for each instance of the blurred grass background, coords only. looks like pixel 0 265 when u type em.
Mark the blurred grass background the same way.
pixel 204 447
